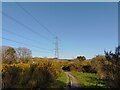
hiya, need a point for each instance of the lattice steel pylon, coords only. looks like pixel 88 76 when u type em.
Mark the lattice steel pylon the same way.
pixel 56 48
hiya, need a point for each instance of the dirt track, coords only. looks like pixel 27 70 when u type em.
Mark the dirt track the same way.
pixel 72 81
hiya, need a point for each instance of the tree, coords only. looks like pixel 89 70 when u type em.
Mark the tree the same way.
pixel 81 58
pixel 9 55
pixel 23 54
pixel 3 50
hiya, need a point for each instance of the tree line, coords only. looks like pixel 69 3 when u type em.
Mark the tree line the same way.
pixel 15 55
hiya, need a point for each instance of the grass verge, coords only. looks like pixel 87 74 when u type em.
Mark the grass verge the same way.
pixel 88 80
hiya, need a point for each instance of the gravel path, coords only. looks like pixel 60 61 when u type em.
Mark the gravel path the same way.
pixel 72 81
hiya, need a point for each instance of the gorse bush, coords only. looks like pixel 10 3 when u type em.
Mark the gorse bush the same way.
pixel 112 69
pixel 31 75
pixel 98 63
pixel 108 67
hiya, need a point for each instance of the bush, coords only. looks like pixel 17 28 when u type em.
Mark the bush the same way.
pixel 108 67
pixel 37 75
pixel 112 69
pixel 89 69
pixel 98 63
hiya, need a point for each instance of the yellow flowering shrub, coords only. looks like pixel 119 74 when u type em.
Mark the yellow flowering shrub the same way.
pixel 30 75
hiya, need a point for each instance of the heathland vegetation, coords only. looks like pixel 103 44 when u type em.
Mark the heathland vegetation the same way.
pixel 20 70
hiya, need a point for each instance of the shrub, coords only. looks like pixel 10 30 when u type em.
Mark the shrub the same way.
pixel 89 69
pixel 98 63
pixel 112 69
pixel 31 75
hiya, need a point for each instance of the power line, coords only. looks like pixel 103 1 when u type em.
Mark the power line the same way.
pixel 41 51
pixel 35 19
pixel 29 45
pixel 28 28
pixel 18 35
pixel 24 43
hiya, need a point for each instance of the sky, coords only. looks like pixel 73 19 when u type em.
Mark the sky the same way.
pixel 82 28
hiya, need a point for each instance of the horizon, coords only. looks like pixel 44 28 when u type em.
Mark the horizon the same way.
pixel 84 29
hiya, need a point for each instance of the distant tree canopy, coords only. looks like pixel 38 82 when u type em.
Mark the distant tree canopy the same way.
pixel 24 54
pixel 11 55
pixel 81 58
pixel 3 50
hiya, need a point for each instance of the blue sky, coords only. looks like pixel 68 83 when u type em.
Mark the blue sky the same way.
pixel 83 28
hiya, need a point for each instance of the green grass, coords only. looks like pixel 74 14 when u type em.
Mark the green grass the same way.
pixel 60 82
pixel 88 80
